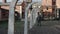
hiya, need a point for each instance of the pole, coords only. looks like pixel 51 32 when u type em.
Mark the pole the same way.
pixel 11 17
pixel 0 12
pixel 20 12
pixel 26 22
pixel 58 13
pixel 31 19
pixel 26 18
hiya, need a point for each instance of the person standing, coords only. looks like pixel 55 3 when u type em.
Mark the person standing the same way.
pixel 39 18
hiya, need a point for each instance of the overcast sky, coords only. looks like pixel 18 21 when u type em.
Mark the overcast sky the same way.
pixel 21 0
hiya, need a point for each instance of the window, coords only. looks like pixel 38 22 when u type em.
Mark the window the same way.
pixel 0 0
pixel 47 8
pixel 53 0
pixel 9 0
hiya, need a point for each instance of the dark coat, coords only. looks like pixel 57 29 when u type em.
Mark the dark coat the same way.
pixel 39 18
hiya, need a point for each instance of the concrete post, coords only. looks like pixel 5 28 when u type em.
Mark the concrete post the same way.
pixel 11 17
pixel 35 15
pixel 31 19
pixel 21 12
pixel 26 18
pixel 57 13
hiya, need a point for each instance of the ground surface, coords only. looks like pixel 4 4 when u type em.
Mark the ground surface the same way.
pixel 47 27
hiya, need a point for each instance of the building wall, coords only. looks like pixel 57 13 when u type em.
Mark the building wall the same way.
pixel 43 2
pixel 47 5
pixel 58 3
pixel 7 7
pixel 47 2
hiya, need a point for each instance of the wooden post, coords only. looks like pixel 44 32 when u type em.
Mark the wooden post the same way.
pixel 11 17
